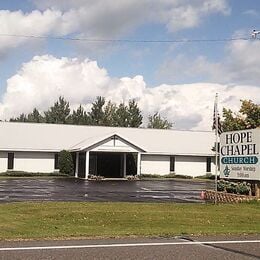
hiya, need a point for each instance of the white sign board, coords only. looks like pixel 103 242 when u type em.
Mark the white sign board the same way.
pixel 239 154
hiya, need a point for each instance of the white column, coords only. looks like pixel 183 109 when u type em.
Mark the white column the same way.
pixel 138 163
pixel 87 164
pixel 77 165
pixel 124 165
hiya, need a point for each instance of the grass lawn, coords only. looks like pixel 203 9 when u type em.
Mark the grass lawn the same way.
pixel 79 219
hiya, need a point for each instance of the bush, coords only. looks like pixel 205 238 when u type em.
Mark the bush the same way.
pixel 170 175
pixel 30 174
pixel 150 176
pixel 166 176
pixel 180 176
pixel 231 187
pixel 207 177
pixel 221 185
pixel 243 188
pixel 66 162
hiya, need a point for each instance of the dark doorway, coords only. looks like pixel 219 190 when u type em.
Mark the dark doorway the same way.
pixel 131 164
pixel 82 165
pixel 108 165
pixel 111 165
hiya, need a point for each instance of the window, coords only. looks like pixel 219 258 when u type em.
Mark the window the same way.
pixel 10 163
pixel 56 161
pixel 208 166
pixel 172 164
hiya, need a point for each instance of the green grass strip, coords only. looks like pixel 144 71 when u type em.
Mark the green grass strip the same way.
pixel 79 219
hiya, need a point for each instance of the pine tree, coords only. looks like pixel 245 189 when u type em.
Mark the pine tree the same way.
pixel 59 113
pixel 122 116
pixel 35 117
pixel 109 114
pixel 21 118
pixel 97 111
pixel 79 117
pixel 134 114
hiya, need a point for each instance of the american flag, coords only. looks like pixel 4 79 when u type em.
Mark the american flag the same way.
pixel 216 118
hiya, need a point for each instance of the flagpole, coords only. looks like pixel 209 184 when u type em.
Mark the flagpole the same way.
pixel 216 147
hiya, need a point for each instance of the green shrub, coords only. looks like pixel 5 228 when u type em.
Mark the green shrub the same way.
pixel 150 176
pixel 170 175
pixel 243 188
pixel 207 177
pixel 66 162
pixel 221 185
pixel 30 174
pixel 231 187
pixel 180 176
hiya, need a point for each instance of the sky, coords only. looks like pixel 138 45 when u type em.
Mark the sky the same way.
pixel 178 80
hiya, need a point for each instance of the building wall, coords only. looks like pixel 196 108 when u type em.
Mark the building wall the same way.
pixel 3 161
pixel 191 165
pixel 33 162
pixel 155 164
pixel 184 165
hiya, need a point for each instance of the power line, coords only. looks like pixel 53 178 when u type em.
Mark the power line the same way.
pixel 129 40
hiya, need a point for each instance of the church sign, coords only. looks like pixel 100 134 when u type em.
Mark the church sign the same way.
pixel 239 154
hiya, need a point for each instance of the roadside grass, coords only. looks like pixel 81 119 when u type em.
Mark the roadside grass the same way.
pixel 50 220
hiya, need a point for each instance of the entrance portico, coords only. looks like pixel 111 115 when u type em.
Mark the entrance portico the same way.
pixel 112 157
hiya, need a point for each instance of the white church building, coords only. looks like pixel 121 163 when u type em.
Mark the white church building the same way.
pixel 112 152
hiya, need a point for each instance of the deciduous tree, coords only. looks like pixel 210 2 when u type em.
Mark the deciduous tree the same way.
pixel 248 117
pixel 158 122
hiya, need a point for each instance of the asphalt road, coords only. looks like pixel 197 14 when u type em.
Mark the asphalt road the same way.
pixel 157 248
pixel 69 189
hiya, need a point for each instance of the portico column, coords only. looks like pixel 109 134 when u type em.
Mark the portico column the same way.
pixel 124 165
pixel 87 165
pixel 138 163
pixel 77 165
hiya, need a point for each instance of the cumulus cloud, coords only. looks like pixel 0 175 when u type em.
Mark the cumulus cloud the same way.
pixel 48 22
pixel 39 83
pixel 103 19
pixel 241 65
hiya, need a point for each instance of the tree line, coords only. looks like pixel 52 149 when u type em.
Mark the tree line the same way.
pixel 102 113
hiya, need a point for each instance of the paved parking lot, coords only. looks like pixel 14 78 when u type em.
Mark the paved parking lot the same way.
pixel 69 189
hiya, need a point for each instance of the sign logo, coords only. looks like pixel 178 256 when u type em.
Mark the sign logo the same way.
pixel 226 171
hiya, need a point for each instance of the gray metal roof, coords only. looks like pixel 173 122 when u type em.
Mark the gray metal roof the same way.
pixel 55 137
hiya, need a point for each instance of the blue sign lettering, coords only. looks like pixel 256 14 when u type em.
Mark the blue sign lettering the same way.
pixel 240 160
